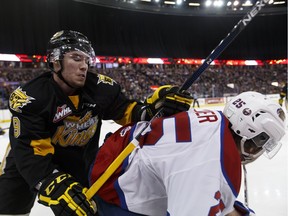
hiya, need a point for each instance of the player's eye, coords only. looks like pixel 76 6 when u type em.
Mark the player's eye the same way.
pixel 79 58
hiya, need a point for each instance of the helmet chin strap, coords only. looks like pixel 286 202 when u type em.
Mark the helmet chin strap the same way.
pixel 244 156
pixel 59 74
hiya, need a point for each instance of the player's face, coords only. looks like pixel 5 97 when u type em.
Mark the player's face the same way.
pixel 75 66
pixel 251 148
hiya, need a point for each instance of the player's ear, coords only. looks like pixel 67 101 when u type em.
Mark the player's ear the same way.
pixel 56 66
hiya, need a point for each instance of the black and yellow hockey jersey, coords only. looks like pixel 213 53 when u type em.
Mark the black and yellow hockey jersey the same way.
pixel 283 92
pixel 50 130
pixel 283 95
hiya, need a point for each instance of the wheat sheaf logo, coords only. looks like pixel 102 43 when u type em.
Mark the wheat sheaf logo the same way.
pixel 19 99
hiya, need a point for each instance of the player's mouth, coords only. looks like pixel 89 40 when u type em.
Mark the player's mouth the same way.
pixel 83 76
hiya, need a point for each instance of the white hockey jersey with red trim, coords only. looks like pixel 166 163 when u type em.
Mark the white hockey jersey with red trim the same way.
pixel 185 165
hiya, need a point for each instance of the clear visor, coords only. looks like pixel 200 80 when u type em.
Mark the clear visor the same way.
pixel 85 49
pixel 271 148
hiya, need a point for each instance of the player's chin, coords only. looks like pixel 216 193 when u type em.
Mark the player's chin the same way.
pixel 79 83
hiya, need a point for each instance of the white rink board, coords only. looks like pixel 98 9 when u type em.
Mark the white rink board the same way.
pixel 267 179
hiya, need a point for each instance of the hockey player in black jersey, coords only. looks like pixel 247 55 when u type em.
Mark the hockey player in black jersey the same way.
pixel 55 127
pixel 283 95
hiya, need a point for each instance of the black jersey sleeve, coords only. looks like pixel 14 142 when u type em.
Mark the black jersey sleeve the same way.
pixel 111 101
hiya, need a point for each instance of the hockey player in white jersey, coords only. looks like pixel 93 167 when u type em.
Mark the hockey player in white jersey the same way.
pixel 189 164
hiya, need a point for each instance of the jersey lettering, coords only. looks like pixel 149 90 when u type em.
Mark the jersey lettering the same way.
pixel 206 116
pixel 182 129
pixel 77 133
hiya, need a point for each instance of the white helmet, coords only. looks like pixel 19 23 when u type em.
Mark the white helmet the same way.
pixel 259 121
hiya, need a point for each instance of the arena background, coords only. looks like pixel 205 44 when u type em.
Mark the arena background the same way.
pixel 26 27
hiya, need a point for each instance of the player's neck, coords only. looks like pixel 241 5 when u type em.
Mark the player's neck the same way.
pixel 68 90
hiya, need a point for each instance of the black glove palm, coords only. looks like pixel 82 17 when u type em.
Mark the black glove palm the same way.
pixel 169 100
pixel 65 196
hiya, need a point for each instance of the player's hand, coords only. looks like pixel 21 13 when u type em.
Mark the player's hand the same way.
pixel 169 100
pixel 243 210
pixel 65 196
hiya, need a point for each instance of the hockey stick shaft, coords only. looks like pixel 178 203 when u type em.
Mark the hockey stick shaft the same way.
pixel 111 169
pixel 245 186
pixel 212 56
pixel 117 161
pixel 224 43
pixel 6 128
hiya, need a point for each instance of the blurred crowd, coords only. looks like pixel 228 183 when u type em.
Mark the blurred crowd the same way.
pixel 139 80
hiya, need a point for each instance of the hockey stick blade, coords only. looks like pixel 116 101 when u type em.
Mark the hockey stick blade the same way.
pixel 224 43
pixel 213 55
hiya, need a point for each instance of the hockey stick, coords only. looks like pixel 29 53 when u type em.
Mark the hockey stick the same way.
pixel 225 42
pixel 117 161
pixel 6 128
pixel 2 130
pixel 212 56
pixel 245 186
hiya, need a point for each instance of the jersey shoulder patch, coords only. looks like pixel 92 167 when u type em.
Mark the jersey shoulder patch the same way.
pixel 105 79
pixel 18 99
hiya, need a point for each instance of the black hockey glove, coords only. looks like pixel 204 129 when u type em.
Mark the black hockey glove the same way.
pixel 65 196
pixel 243 209
pixel 169 100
